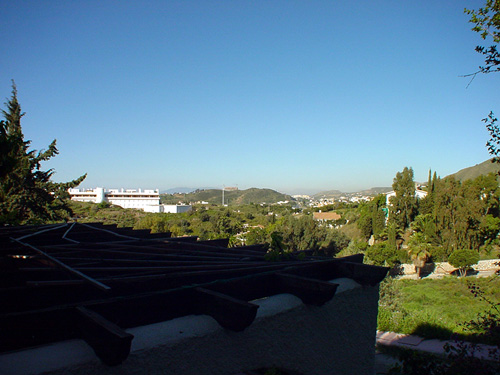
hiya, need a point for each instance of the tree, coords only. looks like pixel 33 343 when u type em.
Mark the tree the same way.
pixel 461 215
pixel 365 223
pixel 418 250
pixel 256 236
pixel 335 242
pixel 27 194
pixel 382 254
pixel 493 143
pixel 403 206
pixel 486 22
pixel 425 226
pixel 302 233
pixel 463 259
pixel 378 215
pixel 372 217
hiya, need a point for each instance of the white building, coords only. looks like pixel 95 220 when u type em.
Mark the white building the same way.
pixel 176 208
pixel 419 194
pixel 129 198
pixel 146 200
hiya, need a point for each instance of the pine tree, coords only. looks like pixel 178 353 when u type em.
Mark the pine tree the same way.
pixel 27 194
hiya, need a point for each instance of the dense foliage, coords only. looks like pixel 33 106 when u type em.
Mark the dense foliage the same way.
pixel 454 215
pixel 249 224
pixel 27 193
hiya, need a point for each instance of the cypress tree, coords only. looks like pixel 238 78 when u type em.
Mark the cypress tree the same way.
pixel 434 180
pixel 404 205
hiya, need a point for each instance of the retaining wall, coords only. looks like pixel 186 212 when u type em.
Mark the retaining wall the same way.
pixel 440 269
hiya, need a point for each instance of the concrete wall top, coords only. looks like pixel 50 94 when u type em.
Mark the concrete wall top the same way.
pixel 336 338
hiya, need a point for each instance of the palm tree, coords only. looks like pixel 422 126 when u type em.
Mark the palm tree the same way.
pixel 418 250
pixel 419 254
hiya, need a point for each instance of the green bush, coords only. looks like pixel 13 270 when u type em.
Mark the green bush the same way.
pixel 463 259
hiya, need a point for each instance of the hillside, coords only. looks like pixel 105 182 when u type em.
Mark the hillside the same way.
pixel 328 194
pixel 337 193
pixel 375 191
pixel 214 196
pixel 477 170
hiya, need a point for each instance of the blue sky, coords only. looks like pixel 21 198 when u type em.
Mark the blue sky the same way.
pixel 296 96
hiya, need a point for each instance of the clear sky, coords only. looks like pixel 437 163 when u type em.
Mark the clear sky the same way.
pixel 297 96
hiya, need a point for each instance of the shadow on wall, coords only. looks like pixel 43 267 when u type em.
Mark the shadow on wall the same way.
pixel 397 270
pixel 469 272
pixel 427 269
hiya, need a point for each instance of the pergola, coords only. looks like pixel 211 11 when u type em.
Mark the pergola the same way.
pixel 94 281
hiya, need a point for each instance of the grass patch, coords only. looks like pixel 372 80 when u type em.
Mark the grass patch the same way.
pixel 434 308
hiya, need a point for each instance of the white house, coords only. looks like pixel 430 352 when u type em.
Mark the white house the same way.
pixel 419 194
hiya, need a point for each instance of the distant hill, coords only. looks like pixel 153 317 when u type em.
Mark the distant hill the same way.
pixel 337 193
pixel 236 197
pixel 182 190
pixel 178 190
pixel 328 194
pixel 375 191
pixel 478 170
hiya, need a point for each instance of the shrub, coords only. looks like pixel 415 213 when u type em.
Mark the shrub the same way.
pixel 463 259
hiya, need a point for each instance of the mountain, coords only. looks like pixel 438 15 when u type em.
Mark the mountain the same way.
pixel 328 194
pixel 232 197
pixel 483 168
pixel 178 190
pixel 337 193
pixel 183 190
pixel 375 191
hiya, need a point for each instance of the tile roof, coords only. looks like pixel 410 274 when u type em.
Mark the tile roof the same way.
pixel 326 216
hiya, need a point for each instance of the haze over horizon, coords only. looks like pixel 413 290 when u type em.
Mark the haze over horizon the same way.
pixel 292 96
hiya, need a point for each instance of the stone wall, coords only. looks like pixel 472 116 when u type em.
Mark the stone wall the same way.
pixel 441 269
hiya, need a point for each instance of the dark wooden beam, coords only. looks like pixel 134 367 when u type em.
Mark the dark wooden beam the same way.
pixel 229 312
pixel 66 267
pixel 220 242
pixel 310 291
pixel 110 343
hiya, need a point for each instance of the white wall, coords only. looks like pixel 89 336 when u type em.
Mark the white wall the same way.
pixel 176 208
pixel 154 208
